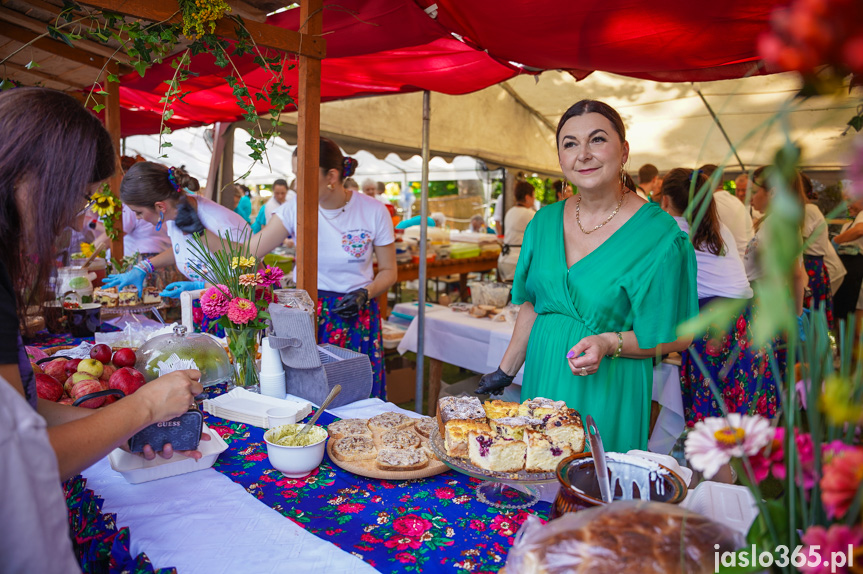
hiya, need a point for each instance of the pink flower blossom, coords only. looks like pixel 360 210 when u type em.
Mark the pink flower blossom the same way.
pixel 405 558
pixel 257 456
pixel 402 542
pixel 836 539
pixel 444 492
pixel 840 482
pixel 271 276
pixel 350 508
pixel 771 460
pixel 250 279
pixel 214 301
pixel 411 525
pixel 477 525
pixel 241 311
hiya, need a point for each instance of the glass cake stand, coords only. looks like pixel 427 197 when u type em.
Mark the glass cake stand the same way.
pixel 135 309
pixel 504 490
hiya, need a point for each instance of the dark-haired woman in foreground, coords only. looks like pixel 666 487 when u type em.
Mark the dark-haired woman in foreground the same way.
pixel 603 279
pixel 53 155
pixel 157 194
pixel 351 228
pixel 740 371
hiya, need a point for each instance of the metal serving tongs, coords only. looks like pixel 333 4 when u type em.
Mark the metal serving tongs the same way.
pixel 333 393
pixel 598 454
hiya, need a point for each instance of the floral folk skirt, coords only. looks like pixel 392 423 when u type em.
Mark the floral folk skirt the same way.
pixel 819 286
pixel 362 335
pixel 741 373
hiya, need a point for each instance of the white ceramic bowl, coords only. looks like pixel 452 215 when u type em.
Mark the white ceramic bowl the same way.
pixel 295 461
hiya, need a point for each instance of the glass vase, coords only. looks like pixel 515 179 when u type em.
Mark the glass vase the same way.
pixel 243 345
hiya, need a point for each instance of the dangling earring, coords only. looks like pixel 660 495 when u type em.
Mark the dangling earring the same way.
pixel 161 219
pixel 622 177
pixel 330 186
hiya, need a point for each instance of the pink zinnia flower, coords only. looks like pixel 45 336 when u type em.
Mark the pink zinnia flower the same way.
pixel 771 458
pixel 214 301
pixel 271 276
pixel 842 476
pixel 714 441
pixel 836 539
pixel 250 279
pixel 241 311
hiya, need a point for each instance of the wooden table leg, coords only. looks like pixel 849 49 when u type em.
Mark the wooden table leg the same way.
pixel 435 374
pixel 384 305
pixel 462 287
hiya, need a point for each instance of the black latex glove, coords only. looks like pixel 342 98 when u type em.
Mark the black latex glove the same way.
pixel 494 383
pixel 350 305
pixel 187 219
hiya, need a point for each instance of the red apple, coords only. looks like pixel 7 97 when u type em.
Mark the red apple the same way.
pixel 101 353
pixel 49 388
pixel 72 367
pixel 66 401
pixel 67 386
pixel 111 399
pixel 127 380
pixel 56 368
pixel 86 387
pixel 107 372
pixel 125 357
pixel 37 370
pixel 91 366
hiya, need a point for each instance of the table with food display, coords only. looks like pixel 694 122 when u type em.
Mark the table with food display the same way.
pixel 370 487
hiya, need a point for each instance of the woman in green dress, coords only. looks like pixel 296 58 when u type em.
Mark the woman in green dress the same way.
pixel 604 279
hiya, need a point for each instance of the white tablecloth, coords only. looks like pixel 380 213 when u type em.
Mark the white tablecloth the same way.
pixel 479 344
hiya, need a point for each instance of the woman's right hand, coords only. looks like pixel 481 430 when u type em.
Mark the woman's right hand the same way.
pixel 171 395
pixel 134 276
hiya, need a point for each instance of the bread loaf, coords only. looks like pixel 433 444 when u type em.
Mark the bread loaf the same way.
pixel 389 421
pixel 349 427
pixel 354 448
pixel 399 439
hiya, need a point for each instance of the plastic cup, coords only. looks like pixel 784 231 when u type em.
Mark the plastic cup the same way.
pixel 271 359
pixel 279 416
pixel 273 385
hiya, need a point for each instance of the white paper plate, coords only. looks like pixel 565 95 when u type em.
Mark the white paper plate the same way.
pixel 135 469
pixel 249 408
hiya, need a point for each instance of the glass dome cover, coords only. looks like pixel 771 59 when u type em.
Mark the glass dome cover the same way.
pixel 164 354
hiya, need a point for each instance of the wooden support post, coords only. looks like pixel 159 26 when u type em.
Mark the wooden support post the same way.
pixel 226 170
pixel 112 124
pixel 308 128
pixel 435 374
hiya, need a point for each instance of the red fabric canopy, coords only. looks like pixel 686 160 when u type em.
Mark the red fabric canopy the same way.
pixel 393 46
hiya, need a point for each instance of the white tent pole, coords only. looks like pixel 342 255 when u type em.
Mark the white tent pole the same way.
pixel 421 306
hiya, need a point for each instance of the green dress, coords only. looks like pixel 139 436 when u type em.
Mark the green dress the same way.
pixel 641 279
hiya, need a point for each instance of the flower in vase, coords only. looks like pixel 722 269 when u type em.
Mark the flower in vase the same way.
pixel 214 301
pixel 271 276
pixel 771 458
pixel 714 441
pixel 241 311
pixel 806 459
pixel 250 280
pixel 838 403
pixel 836 540
pixel 242 262
pixel 264 294
pixel 842 476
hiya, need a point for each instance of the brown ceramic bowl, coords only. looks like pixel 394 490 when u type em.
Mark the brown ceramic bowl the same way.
pixel 579 488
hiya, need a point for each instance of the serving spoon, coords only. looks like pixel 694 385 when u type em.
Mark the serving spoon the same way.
pixel 333 394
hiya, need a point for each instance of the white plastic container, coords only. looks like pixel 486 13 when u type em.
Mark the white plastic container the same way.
pixel 135 469
pixel 727 504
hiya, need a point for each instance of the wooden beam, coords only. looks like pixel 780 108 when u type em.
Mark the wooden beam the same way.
pixel 41 6
pixel 40 27
pixel 47 77
pixel 307 43
pixel 55 47
pixel 246 11
pixel 112 124
pixel 308 141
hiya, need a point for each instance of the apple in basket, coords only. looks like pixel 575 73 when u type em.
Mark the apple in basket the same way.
pixel 56 369
pixel 49 388
pixel 101 353
pixel 92 367
pixel 86 387
pixel 72 366
pixel 124 357
pixel 37 370
pixel 127 380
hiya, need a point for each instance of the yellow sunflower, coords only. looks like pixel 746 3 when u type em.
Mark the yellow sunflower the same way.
pixel 104 205
pixel 87 249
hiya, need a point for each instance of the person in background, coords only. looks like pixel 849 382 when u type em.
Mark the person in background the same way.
pixel 731 212
pixel 497 216
pixel 381 193
pixel 352 228
pixel 439 219
pixel 351 184
pixel 515 224
pixel 46 177
pixel 847 299
pixel 477 225
pixel 741 184
pixel 242 203
pixel 822 263
pixel 604 279
pixel 562 189
pixel 725 350
pixel 157 194
pixel 649 182
pixel 370 187
pixel 265 214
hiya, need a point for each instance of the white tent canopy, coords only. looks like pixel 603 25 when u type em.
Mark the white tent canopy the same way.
pixel 513 123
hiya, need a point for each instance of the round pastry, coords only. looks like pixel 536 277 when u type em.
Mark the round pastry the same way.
pixel 425 426
pixel 389 421
pixel 349 427
pixel 396 439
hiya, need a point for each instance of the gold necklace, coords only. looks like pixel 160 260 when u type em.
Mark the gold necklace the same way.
pixel 341 211
pixel 610 217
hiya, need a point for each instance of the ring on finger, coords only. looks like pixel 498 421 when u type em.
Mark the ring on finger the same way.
pixel 584 371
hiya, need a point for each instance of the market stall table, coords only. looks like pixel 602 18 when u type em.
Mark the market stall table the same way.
pixel 478 345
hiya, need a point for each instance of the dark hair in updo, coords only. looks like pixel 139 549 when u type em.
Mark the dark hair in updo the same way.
pixel 676 186
pixel 592 107
pixel 332 158
pixel 146 183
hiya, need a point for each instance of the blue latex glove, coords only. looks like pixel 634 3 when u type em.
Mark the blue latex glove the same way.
pixel 177 287
pixel 135 277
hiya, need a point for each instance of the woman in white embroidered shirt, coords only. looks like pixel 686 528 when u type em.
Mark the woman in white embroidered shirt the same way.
pixel 351 228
